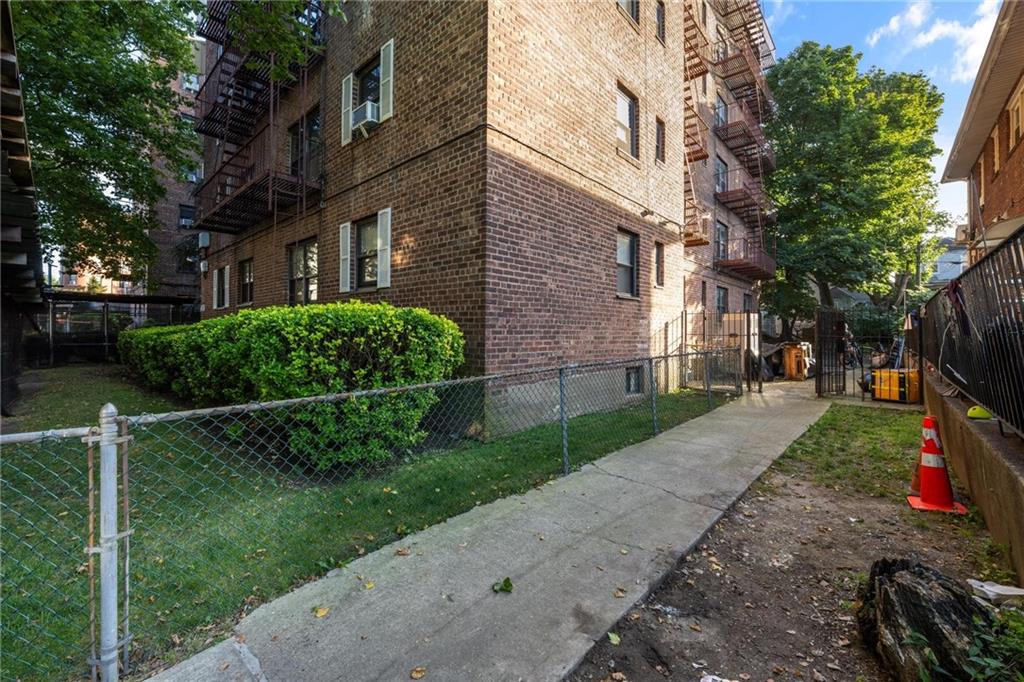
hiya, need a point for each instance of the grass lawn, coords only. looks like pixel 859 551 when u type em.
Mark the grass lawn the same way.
pixel 874 451
pixel 70 396
pixel 218 530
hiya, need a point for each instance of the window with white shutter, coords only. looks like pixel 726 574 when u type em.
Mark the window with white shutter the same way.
pixel 384 248
pixel 345 243
pixel 387 79
pixel 346 109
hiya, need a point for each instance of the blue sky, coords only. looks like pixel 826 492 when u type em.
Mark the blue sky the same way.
pixel 945 39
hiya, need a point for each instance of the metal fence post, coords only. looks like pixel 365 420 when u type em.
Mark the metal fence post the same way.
pixel 760 370
pixel 564 419
pixel 740 361
pixel 707 376
pixel 653 381
pixel 108 543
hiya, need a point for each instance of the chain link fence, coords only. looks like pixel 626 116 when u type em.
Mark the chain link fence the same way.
pixel 208 513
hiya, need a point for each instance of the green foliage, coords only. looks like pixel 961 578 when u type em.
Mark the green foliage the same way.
pixel 101 112
pixel 853 185
pixel 997 649
pixel 291 352
pixel 285 29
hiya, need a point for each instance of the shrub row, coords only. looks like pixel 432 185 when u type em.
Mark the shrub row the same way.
pixel 291 352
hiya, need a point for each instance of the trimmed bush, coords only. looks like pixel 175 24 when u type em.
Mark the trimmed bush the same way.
pixel 292 352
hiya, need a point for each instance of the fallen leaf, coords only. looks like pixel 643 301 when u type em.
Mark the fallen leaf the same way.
pixel 418 673
pixel 614 639
pixel 224 666
pixel 623 551
pixel 503 585
pixel 696 627
pixel 403 551
pixel 619 677
pixel 321 611
pixel 619 592
pixel 369 585
pixel 240 639
pixel 635 616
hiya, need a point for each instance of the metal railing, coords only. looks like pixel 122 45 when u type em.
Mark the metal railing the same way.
pixel 974 332
pixel 199 516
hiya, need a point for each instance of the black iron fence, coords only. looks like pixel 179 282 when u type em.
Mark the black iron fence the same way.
pixel 79 326
pixel 974 332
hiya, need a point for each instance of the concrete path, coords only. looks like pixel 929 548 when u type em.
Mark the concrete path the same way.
pixel 580 551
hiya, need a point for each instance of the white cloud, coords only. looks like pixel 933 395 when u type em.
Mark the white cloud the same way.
pixel 781 10
pixel 971 39
pixel 912 17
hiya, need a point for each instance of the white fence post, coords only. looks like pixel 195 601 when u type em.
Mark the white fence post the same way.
pixel 108 543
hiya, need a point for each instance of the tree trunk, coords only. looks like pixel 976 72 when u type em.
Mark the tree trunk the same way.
pixel 824 293
pixel 787 328
pixel 918 621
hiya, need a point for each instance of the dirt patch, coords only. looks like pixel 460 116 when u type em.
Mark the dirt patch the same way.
pixel 771 593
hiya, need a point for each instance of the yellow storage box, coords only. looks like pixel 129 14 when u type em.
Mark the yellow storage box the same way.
pixel 897 385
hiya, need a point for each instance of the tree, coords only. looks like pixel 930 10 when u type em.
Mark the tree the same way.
pixel 853 184
pixel 101 111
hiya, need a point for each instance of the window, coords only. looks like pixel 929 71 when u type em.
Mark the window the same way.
pixel 721 175
pixel 245 282
pixel 372 245
pixel 304 145
pixel 625 259
pixel 748 303
pixel 190 82
pixel 1016 124
pixel 721 111
pixel 186 216
pixel 195 174
pixel 73 279
pixel 659 264
pixel 659 20
pixel 703 294
pixel 374 82
pixel 704 84
pixel 626 117
pixel 634 380
pixel 367 82
pixel 704 14
pixel 220 287
pixel 302 273
pixel 631 8
pixel 721 241
pixel 659 140
pixel 366 252
pixel 722 300
pixel 995 150
pixel 186 254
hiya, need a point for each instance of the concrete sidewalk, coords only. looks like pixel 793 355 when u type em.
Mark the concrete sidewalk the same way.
pixel 580 552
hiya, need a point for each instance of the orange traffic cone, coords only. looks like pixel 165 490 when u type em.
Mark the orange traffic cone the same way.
pixel 929 443
pixel 931 478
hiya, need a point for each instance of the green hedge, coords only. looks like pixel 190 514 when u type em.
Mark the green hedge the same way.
pixel 291 352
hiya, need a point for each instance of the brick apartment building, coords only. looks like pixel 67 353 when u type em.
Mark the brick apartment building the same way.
pixel 519 167
pixel 988 152
pixel 175 272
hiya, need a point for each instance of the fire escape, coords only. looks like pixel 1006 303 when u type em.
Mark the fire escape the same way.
pixel 740 61
pixel 259 170
pixel 696 216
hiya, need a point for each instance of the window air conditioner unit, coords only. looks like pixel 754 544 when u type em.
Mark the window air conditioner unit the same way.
pixel 365 117
pixel 185 223
pixel 204 240
pixel 204 266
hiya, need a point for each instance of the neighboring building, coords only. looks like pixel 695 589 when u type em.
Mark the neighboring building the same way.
pixel 728 252
pixel 518 167
pixel 21 260
pixel 175 272
pixel 987 151
pixel 950 264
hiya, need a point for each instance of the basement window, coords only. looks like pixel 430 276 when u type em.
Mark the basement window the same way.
pixel 634 380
